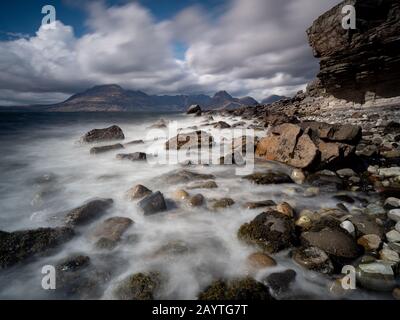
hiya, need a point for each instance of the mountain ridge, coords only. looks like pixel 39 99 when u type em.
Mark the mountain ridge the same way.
pixel 114 98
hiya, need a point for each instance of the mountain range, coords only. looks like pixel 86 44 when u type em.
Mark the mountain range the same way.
pixel 114 98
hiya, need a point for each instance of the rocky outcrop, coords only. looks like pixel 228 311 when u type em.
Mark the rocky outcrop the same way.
pixel 87 212
pixel 364 63
pixel 192 140
pixel 193 109
pixel 309 144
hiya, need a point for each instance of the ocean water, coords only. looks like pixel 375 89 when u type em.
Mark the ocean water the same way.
pixel 34 145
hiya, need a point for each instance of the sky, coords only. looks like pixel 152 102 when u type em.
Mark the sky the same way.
pixel 247 47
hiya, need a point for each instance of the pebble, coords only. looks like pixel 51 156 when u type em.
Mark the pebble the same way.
pixel 393 236
pixel 389 172
pixel 298 176
pixel 375 209
pixel 389 255
pixel 304 222
pixel 181 195
pixel 370 242
pixel 346 173
pixel 392 203
pixel 348 226
pixel 394 215
pixel 311 192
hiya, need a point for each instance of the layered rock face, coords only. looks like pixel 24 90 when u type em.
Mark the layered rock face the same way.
pixel 362 64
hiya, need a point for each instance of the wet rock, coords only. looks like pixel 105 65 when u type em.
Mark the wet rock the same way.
pixel 313 258
pixel 346 173
pixel 271 231
pixel 389 255
pixel 304 222
pixel 393 236
pixel 138 192
pixel 344 198
pixel 221 125
pixel 87 212
pixel 160 124
pixel 107 134
pixel 193 109
pixel 194 140
pixel 197 200
pixel 139 286
pixel 325 181
pixel 181 195
pixel 241 289
pixel 172 249
pixel 268 178
pixel 153 203
pixel 260 260
pixel 396 293
pixel 370 242
pixel 18 246
pixel 134 142
pixel 184 176
pixel 377 276
pixel 111 229
pixel 259 204
pixel 280 282
pixel 392 127
pixel 103 149
pixel 335 242
pixel 223 203
pixel 78 278
pixel 286 209
pixel 392 203
pixel 298 176
pixel 389 172
pixel 394 215
pixel 311 192
pixel 204 185
pixel 136 156
pixel 397 226
pixel 375 210
pixel 348 226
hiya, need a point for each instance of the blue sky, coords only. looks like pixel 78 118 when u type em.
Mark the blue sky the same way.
pixel 246 47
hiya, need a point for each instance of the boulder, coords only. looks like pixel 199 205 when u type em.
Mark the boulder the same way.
pixel 280 282
pixel 377 276
pixel 221 125
pixel 103 149
pixel 192 140
pixel 335 242
pixel 111 229
pixel 107 134
pixel 139 286
pixel 203 185
pixel 222 203
pixel 136 156
pixel 18 246
pixel 153 203
pixel 268 178
pixel 138 192
pixel 309 144
pixel 259 204
pixel 87 212
pixel 270 231
pixel 260 260
pixel 197 200
pixel 237 289
pixel 193 109
pixel 160 124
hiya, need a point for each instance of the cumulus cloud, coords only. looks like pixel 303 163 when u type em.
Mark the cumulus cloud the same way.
pixel 254 47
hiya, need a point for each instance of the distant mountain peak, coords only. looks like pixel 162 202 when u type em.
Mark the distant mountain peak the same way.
pixel 222 95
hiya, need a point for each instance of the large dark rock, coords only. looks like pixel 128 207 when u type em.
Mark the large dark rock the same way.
pixel 106 134
pixel 136 156
pixel 193 109
pixel 280 282
pixel 268 178
pixel 153 203
pixel 87 212
pixel 20 245
pixel 362 62
pixel 109 232
pixel 241 289
pixel 270 230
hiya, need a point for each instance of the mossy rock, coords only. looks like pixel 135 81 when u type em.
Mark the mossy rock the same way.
pixel 139 286
pixel 270 231
pixel 238 289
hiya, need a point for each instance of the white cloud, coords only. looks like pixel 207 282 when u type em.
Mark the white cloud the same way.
pixel 255 47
